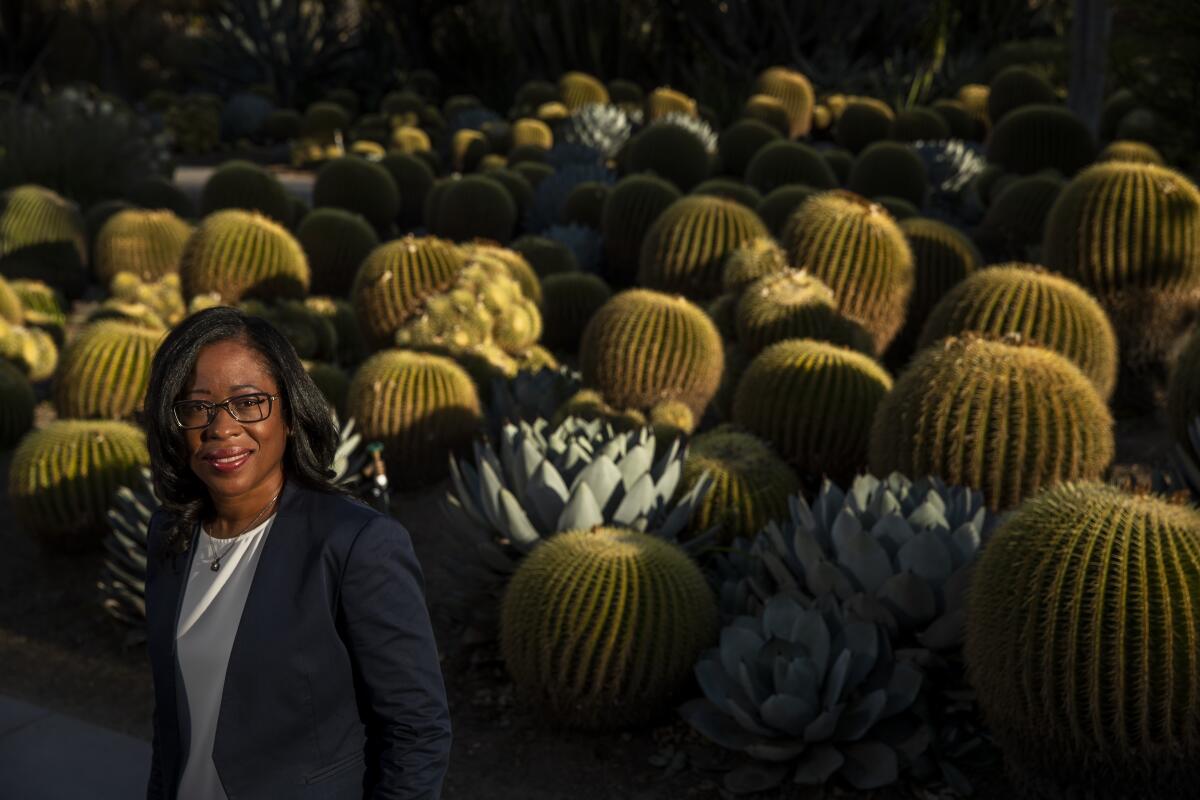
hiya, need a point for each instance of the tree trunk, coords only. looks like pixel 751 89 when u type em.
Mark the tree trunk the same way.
pixel 1090 29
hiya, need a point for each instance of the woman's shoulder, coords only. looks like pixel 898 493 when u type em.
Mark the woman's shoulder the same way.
pixel 334 514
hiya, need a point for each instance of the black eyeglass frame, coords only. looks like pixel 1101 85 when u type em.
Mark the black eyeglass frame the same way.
pixel 211 408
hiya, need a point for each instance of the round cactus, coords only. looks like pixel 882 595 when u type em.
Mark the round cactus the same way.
pixel 685 247
pixel 413 178
pixel 518 267
pixel 42 236
pixel 323 121
pixel 960 122
pixel 1183 396
pixel 1014 87
pixel 1130 235
pixel 664 100
pixel 1083 645
pixel 859 251
pixel 792 304
pixel 145 243
pixel 769 111
pixel 421 406
pixel 361 186
pixel 750 261
pixel 332 381
pixel 532 132
pixel 1040 137
pixel 780 163
pixel 738 144
pixel 1127 150
pixel 840 161
pixel 672 152
pixel 751 484
pixel 813 401
pixel 335 242
pixel 16 405
pixel 246 186
pixel 11 309
pixel 730 189
pixel 473 207
pixel 631 207
pixel 546 256
pixel 156 192
pixel 778 205
pixel 794 91
pixel 585 204
pixel 395 278
pixel 942 257
pixel 1015 220
pixel 862 122
pixel 1046 309
pixel 104 371
pixel 31 350
pixel 616 650
pixel 919 123
pixel 998 416
pixel 570 300
pixel 578 89
pixel 44 307
pixel 63 476
pixel 240 254
pixel 643 347
pixel 100 213
pixel 890 168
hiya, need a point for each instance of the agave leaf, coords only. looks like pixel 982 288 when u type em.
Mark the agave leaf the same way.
pixel 862 639
pixel 910 598
pixel 929 514
pixel 860 716
pixel 575 458
pixel 909 737
pixel 845 526
pixel 602 477
pixel 788 713
pixel 926 556
pixel 756 692
pixel 528 458
pixel 715 725
pixel 810 631
pixel 755 777
pixel 739 643
pixel 714 681
pixel 672 456
pixel 883 504
pixel 466 493
pixel 903 686
pixel 746 715
pixel 581 512
pixel 668 478
pixel 869 765
pixel 519 529
pixel 637 503
pixel 636 465
pixel 801 515
pixel 946 632
pixel 817 765
pixel 892 531
pixel 490 486
pixel 821 729
pixel 807 548
pixel 776 749
pixel 966 539
pixel 827 579
pixel 780 615
pixel 866 608
pixel 495 558
pixel 798 677
pixel 835 679
pixel 683 510
pixel 865 560
pixel 546 495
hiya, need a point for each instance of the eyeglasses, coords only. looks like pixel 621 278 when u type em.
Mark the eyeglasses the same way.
pixel 192 414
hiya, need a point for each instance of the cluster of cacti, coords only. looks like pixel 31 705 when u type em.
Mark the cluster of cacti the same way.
pixel 814 402
pixel 42 236
pixel 11 309
pixel 31 350
pixel 421 406
pixel 63 475
pixel 246 186
pixel 1042 308
pixel 583 659
pixel 1082 643
pixel 643 347
pixel 859 251
pixel 999 415
pixel 104 371
pixel 242 254
pixel 156 303
pixel 147 244
pixel 684 250
pixel 794 91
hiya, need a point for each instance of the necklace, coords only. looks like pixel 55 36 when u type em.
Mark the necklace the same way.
pixel 216 562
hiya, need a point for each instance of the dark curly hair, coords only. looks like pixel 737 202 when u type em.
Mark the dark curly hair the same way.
pixel 310 447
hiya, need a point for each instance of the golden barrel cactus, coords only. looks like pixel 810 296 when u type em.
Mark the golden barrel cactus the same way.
pixel 239 254
pixel 104 371
pixel 147 244
pixel 395 278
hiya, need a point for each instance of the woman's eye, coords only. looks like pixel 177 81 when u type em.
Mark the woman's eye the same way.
pixel 248 402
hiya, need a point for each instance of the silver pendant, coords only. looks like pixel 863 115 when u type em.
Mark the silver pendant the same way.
pixel 216 564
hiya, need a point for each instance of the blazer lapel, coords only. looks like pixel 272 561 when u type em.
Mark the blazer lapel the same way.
pixel 183 713
pixel 275 564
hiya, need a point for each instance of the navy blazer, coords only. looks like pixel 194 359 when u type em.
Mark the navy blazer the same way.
pixel 333 689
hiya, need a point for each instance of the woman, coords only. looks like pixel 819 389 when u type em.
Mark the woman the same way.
pixel 290 645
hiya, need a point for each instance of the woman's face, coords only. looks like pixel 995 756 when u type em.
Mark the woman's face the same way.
pixel 236 460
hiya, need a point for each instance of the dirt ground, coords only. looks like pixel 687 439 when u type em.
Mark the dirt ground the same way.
pixel 58 648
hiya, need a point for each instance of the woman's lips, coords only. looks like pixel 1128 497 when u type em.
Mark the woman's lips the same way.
pixel 231 463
